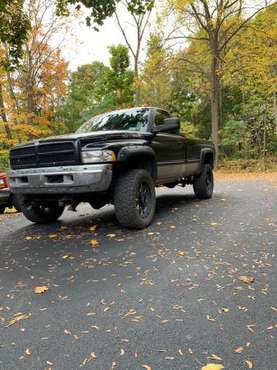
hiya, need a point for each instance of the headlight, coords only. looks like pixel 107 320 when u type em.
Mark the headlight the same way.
pixel 98 156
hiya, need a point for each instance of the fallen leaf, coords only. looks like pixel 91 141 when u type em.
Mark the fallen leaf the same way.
pixel 146 367
pixel 250 328
pixel 247 279
pixel 212 367
pixel 28 351
pixel 249 364
pixel 111 235
pixel 215 357
pixel 94 243
pixel 41 289
pixel 122 352
pixel 239 350
pixel 225 309
pixel 18 317
pixel 209 318
pixel 93 228
pixel 52 236
pixel 182 253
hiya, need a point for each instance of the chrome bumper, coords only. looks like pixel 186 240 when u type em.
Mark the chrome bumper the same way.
pixel 61 180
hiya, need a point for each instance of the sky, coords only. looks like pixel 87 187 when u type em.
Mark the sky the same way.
pixel 85 45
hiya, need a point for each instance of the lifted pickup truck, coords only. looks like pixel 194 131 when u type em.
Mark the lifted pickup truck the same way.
pixel 116 158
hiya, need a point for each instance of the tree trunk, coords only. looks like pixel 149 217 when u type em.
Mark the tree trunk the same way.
pixel 4 116
pixel 136 72
pixel 215 97
pixel 15 102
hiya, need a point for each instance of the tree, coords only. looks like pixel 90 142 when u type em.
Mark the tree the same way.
pixel 140 21
pixel 95 88
pixel 87 94
pixel 14 26
pixel 218 23
pixel 252 60
pixel 120 77
pixel 155 78
pixel 31 93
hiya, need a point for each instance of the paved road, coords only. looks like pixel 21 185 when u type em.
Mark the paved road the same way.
pixel 168 297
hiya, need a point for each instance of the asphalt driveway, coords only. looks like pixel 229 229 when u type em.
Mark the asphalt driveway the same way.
pixel 199 286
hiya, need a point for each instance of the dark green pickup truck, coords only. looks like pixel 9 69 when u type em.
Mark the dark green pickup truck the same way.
pixel 116 158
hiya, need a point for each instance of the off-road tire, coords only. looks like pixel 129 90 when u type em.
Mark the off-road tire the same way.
pixel 2 209
pixel 131 189
pixel 41 214
pixel 203 184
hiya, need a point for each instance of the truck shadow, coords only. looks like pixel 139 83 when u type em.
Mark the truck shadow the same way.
pixel 86 217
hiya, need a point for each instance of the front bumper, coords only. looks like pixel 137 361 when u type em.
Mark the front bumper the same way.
pixel 61 180
pixel 4 196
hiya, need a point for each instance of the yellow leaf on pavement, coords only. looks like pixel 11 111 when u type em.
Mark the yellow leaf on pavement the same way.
pixel 249 364
pixel 212 367
pixel 94 243
pixel 18 317
pixel 41 289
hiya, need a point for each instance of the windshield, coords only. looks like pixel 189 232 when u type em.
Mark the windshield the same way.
pixel 128 120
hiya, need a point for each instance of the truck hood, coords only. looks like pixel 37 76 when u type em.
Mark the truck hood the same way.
pixel 95 136
pixel 100 135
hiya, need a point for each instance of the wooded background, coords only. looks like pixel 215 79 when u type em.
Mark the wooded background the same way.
pixel 212 63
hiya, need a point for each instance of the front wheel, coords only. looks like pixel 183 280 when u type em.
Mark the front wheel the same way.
pixel 203 184
pixel 135 199
pixel 41 213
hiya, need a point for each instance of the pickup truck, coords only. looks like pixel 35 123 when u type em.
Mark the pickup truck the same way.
pixel 115 158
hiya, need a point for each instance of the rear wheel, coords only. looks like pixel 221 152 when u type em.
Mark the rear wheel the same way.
pixel 41 213
pixel 2 209
pixel 203 184
pixel 135 199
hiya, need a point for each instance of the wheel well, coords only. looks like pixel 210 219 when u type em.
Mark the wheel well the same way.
pixel 209 159
pixel 146 162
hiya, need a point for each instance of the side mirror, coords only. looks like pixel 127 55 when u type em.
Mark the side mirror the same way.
pixel 170 124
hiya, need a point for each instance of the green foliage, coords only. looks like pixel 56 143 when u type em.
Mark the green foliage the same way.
pixel 96 88
pixel 188 130
pixel 119 78
pixel 14 25
pixel 249 133
pixel 101 9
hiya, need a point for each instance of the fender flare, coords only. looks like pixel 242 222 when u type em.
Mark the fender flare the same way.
pixel 128 152
pixel 203 154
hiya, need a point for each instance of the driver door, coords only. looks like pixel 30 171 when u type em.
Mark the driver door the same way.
pixel 170 151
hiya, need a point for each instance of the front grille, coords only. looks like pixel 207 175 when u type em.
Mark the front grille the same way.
pixel 46 154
